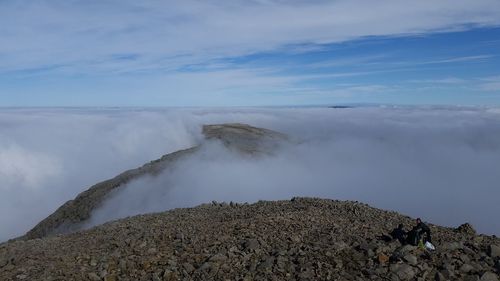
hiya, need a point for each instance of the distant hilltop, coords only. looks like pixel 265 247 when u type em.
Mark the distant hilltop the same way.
pixel 341 106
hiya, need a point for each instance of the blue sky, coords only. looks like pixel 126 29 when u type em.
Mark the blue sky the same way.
pixel 249 53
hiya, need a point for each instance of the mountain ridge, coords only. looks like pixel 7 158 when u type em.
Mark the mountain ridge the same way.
pixel 72 214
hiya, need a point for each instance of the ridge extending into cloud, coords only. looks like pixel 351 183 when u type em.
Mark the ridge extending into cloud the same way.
pixel 437 163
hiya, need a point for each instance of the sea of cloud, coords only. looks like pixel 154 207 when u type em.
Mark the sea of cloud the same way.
pixel 438 163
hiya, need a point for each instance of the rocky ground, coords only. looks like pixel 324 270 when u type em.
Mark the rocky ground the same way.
pixel 298 239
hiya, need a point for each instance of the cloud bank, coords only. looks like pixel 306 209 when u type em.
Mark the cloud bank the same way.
pixel 436 163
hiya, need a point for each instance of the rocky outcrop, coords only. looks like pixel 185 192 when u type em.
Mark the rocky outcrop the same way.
pixel 70 216
pixel 298 239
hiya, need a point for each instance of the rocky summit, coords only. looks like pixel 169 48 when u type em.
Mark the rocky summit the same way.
pixel 297 239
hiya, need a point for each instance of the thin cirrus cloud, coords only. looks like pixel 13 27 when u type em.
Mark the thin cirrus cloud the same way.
pixel 491 83
pixel 117 35
pixel 226 53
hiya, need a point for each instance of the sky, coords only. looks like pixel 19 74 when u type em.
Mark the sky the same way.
pixel 248 52
pixel 437 163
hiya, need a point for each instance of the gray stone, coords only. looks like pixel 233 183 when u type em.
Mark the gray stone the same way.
pixel 447 274
pixel 306 275
pixel 406 249
pixel 466 268
pixel 217 258
pixel 206 266
pixel 403 271
pixel 156 277
pixel 402 251
pixel 494 251
pixel 464 258
pixel 489 276
pixel 452 246
pixel 179 236
pixel 94 277
pixel 188 267
pixel 439 277
pixel 267 264
pixel 103 273
pixel 3 262
pixel 251 244
pixel 122 264
pixel 411 259
pixel 470 278
pixel 466 228
pixel 170 276
pixel 449 266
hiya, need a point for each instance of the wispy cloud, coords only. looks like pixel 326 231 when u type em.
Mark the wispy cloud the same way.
pixel 361 90
pixel 352 61
pixel 447 80
pixel 490 83
pixel 130 36
pixel 438 61
pixel 460 59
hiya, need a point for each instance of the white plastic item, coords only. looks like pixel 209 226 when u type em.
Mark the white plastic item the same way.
pixel 429 246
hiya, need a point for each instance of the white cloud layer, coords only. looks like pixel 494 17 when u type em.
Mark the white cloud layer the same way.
pixel 436 163
pixel 124 36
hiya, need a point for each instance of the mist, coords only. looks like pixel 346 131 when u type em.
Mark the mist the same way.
pixel 438 163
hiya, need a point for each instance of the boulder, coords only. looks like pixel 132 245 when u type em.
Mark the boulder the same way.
pixel 494 251
pixel 466 228
pixel 466 268
pixel 403 271
pixel 452 246
pixel 411 259
pixel 94 277
pixel 489 276
pixel 251 245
